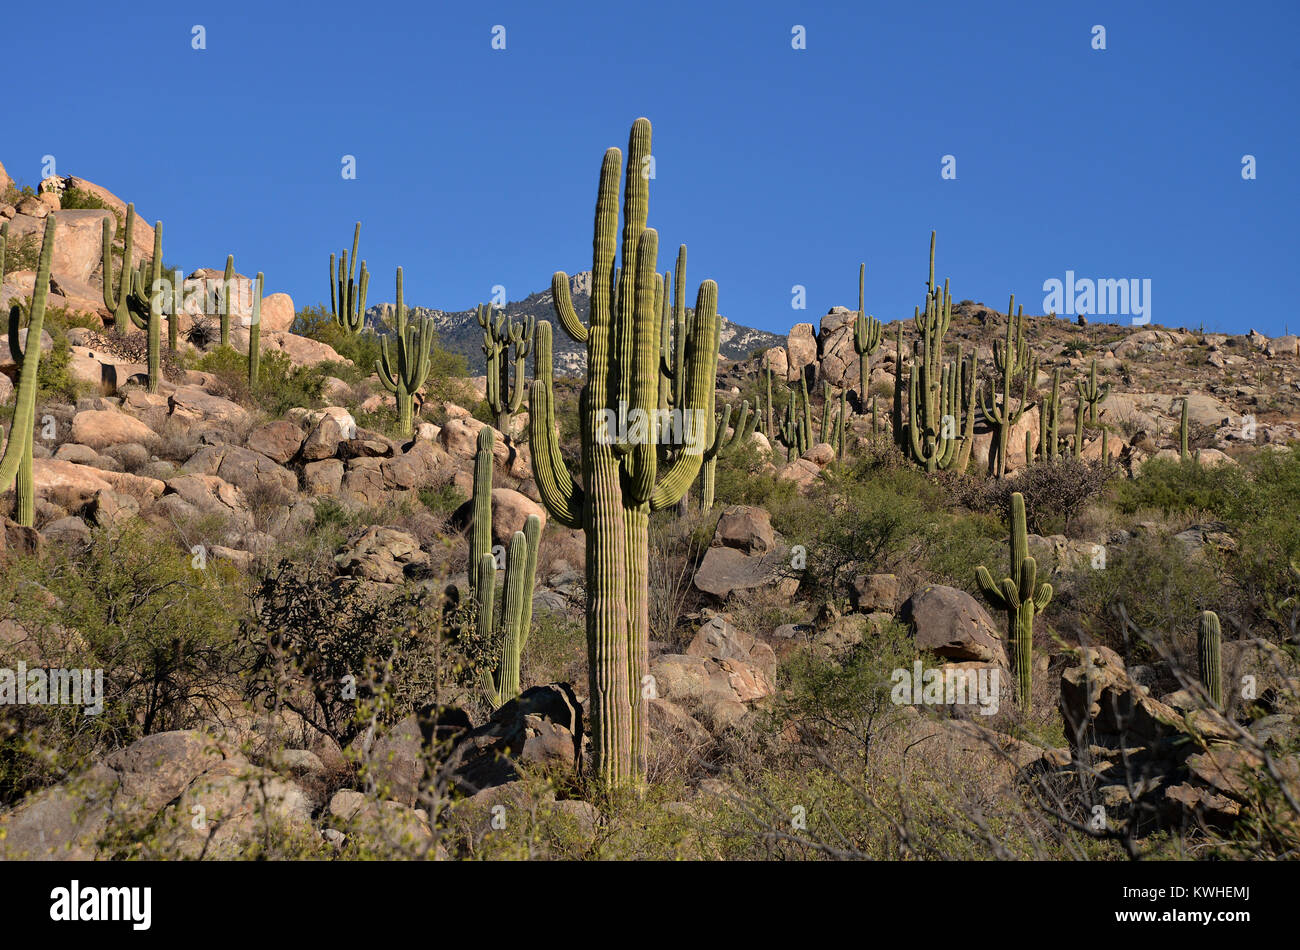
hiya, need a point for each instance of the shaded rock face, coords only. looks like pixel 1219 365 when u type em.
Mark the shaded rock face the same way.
pixel 952 624
pixel 384 555
pixel 744 554
pixel 542 727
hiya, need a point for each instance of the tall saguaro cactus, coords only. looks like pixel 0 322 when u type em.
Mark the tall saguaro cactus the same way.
pixel 145 306
pixel 255 335
pixel 621 482
pixel 404 369
pixel 521 570
pixel 866 339
pixel 1010 359
pixel 1182 433
pixel 115 303
pixel 1021 596
pixel 227 296
pixel 1209 654
pixel 16 463
pixel 347 293
pixel 499 335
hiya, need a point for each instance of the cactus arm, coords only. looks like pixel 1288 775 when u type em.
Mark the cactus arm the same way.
pixel 1209 654
pixel 563 305
pixel 642 463
pixel 561 497
pixel 701 374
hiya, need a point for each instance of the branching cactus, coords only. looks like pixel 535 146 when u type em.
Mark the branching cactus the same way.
pixel 621 482
pixel 768 416
pixel 115 303
pixel 1009 359
pixel 404 369
pixel 1021 596
pixel 790 431
pixel 827 431
pixel 500 336
pixel 347 292
pixel 16 463
pixel 717 442
pixel 1093 393
pixel 866 339
pixel 1209 654
pixel 145 305
pixel 521 571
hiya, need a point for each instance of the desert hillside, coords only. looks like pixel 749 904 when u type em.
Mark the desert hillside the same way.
pixel 1028 588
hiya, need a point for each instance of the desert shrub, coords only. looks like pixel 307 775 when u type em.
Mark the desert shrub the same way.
pixel 1181 487
pixel 281 385
pixel 132 605
pixel 1153 581
pixel 74 199
pixel 853 527
pixel 362 349
pixel 1263 519
pixel 1055 492
pixel 844 705
pixel 740 478
pixel 324 645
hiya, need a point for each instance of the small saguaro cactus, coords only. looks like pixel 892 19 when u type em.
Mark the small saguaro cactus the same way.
pixel 1182 433
pixel 1049 422
pixel 672 335
pixel 1011 358
pixel 866 339
pixel 1021 596
pixel 16 463
pixel 500 334
pixel 1079 427
pixel 175 307
pixel 227 296
pixel 621 480
pixel 145 306
pixel 521 570
pixel 900 386
pixel 347 293
pixel 403 370
pixel 115 303
pixel 255 335
pixel 1209 654
pixel 1093 393
pixel 717 442
pixel 769 417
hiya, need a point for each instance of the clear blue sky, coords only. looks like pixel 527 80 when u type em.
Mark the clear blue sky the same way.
pixel 777 167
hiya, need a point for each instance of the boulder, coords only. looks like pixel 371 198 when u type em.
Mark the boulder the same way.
pixel 279 440
pixel 951 623
pixel 746 528
pixel 382 554
pixel 102 428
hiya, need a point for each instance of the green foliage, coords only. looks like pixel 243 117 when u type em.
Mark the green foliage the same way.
pixel 281 385
pixel 132 604
pixel 317 323
pixel 75 199
pixel 313 634
pixel 1175 488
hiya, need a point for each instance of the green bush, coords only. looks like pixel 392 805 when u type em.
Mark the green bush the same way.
pixel 164 633
pixel 1181 487
pixel 281 385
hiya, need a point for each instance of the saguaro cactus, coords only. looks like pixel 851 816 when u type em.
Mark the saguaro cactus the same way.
pixel 1182 433
pixel 1209 654
pixel 347 293
pixel 1009 359
pixel 621 483
pixel 521 570
pixel 115 303
pixel 1092 393
pixel 897 413
pixel 226 297
pixel 866 339
pixel 1049 422
pixel 16 463
pixel 499 335
pixel 1021 596
pixel 404 370
pixel 145 305
pixel 255 335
